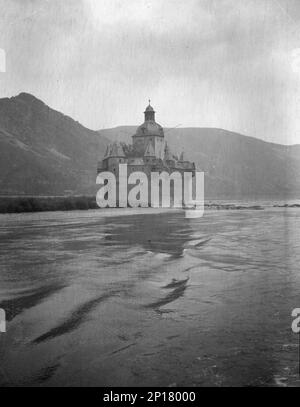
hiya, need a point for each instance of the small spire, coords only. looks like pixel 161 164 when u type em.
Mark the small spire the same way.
pixel 107 151
pixel 168 155
pixel 181 158
pixel 149 101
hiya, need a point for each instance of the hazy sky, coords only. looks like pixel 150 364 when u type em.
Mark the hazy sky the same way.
pixel 233 64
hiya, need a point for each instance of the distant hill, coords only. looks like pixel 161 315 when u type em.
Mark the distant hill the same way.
pixel 43 152
pixel 236 166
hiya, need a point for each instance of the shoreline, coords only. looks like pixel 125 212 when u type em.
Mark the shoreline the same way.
pixel 12 204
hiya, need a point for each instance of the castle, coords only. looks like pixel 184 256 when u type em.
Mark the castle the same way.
pixel 148 152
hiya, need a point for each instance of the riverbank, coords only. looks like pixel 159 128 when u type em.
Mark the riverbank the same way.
pixel 42 204
pixel 23 204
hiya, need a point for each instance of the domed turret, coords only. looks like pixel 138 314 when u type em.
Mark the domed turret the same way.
pixel 149 113
pixel 149 127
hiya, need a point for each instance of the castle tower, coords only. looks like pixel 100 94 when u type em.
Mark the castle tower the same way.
pixel 113 157
pixel 149 132
pixel 168 156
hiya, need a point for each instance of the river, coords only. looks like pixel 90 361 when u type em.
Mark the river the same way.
pixel 141 298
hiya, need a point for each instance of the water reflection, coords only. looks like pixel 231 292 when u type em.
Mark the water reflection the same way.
pixel 149 299
pixel 162 233
pixel 177 290
pixel 17 305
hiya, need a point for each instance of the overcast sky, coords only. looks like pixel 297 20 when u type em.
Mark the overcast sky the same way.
pixel 232 64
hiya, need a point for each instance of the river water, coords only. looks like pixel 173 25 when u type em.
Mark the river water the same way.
pixel 140 298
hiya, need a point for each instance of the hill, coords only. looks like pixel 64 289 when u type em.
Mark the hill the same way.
pixel 43 152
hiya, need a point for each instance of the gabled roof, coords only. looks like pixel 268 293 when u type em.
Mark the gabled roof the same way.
pixel 114 150
pixel 149 150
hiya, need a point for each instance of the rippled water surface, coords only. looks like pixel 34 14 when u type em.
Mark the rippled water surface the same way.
pixel 146 298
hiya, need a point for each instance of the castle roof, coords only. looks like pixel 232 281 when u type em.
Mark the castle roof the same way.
pixel 149 150
pixel 149 108
pixel 150 128
pixel 114 150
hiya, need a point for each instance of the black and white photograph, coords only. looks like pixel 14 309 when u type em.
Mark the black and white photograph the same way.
pixel 149 196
